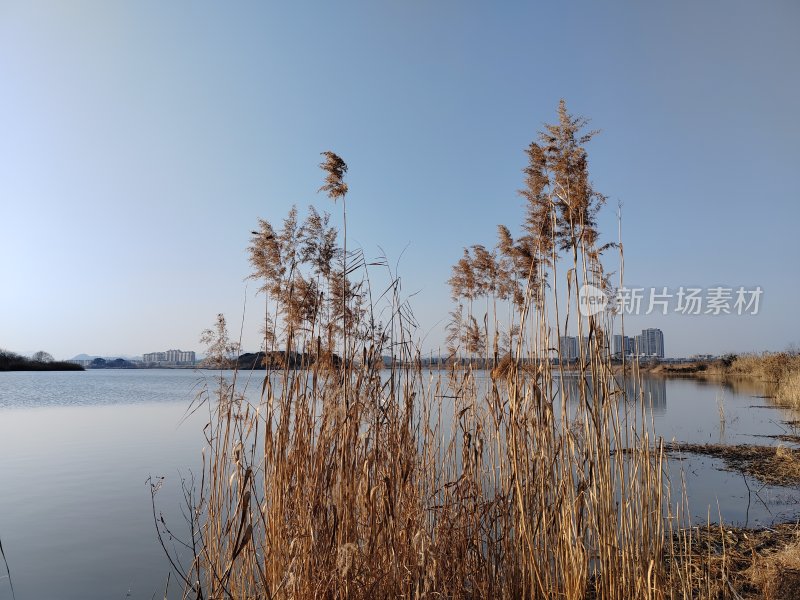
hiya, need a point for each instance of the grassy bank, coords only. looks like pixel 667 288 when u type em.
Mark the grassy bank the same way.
pixel 770 367
pixel 777 372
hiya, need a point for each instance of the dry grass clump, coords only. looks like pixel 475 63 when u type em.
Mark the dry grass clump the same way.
pixel 768 367
pixel 348 481
pixel 778 373
pixel 776 366
pixel 741 564
pixel 788 392
pixel 678 370
pixel 777 575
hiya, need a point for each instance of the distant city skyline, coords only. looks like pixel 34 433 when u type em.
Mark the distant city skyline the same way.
pixel 141 143
pixel 170 357
pixel 649 343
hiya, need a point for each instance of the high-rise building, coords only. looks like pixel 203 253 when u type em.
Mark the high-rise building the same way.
pixel 618 345
pixel 653 342
pixel 638 345
pixel 623 345
pixel 568 347
pixel 585 345
pixel 649 343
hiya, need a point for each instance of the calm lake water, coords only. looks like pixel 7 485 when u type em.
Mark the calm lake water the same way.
pixel 77 448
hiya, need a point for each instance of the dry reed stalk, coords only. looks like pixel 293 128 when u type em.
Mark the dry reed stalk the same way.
pixel 347 480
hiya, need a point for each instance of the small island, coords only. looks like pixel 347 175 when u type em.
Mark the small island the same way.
pixel 40 361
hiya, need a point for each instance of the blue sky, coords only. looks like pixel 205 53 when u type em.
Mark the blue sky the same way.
pixel 140 141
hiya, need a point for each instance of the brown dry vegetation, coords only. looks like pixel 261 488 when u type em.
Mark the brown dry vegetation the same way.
pixel 746 564
pixel 788 392
pixel 778 371
pixel 688 369
pixel 777 374
pixel 769 367
pixel 348 481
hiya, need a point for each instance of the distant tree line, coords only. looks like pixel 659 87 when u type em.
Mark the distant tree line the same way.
pixel 115 363
pixel 41 361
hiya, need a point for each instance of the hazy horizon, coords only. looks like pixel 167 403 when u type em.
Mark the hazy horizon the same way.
pixel 143 141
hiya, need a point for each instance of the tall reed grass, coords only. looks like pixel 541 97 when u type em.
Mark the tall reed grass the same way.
pixel 777 372
pixel 353 480
pixel 788 392
pixel 769 367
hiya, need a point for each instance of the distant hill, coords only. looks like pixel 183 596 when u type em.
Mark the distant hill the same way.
pixel 106 356
pixel 276 360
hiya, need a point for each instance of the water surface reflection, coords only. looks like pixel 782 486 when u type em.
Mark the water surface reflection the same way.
pixel 77 448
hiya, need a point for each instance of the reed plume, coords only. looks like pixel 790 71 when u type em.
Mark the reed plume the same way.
pixel 345 480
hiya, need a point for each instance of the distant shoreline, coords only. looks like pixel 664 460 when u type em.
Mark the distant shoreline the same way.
pixel 35 366
pixel 11 361
pixel 44 367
